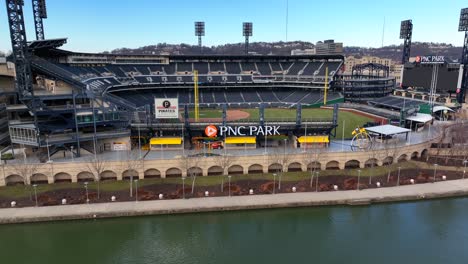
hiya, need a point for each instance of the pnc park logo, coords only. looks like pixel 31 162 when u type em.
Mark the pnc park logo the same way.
pixel 214 131
pixel 211 131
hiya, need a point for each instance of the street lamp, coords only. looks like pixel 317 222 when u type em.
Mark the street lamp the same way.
pixel 73 156
pixel 317 181
pixel 86 188
pixel 48 151
pixel 183 187
pixel 279 181
pixel 285 140
pixel 398 178
pixel 311 177
pixel 358 179
pixel 435 171
pixel 464 170
pixel 35 193
pixel 274 182
pixel 136 190
pixel 229 177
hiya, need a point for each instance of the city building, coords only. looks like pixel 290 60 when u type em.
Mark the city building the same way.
pixel 328 47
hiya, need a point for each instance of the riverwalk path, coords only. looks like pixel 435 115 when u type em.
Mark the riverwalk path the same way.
pixel 454 188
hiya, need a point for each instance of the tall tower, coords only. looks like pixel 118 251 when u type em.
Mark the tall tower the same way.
pixel 463 27
pixel 200 32
pixel 406 31
pixel 247 29
pixel 39 12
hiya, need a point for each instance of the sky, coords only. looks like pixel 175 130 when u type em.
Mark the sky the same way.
pixel 101 25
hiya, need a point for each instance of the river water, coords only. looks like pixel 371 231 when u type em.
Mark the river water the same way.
pixel 421 232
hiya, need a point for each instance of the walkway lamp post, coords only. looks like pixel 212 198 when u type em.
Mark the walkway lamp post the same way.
pixel 183 187
pixel 279 180
pixel 464 170
pixel 229 177
pixel 312 172
pixel 398 178
pixel 136 190
pixel 317 181
pixel 274 182
pixel 358 179
pixel 35 193
pixel 48 151
pixel 139 141
pixel 285 141
pixel 86 189
pixel 435 171
pixel 73 155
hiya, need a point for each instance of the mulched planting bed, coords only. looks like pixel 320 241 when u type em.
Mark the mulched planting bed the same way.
pixel 238 187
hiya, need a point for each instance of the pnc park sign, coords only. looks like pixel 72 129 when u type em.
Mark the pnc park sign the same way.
pixel 430 59
pixel 213 131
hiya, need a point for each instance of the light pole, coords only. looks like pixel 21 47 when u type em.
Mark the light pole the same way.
pixel 136 190
pixel 139 140
pixel 317 181
pixel 48 151
pixel 245 147
pixel 285 140
pixel 73 155
pixel 274 182
pixel 398 178
pixel 183 187
pixel 279 180
pixel 311 177
pixel 162 152
pixel 35 193
pixel 464 170
pixel 229 177
pixel 358 179
pixel 435 171
pixel 86 189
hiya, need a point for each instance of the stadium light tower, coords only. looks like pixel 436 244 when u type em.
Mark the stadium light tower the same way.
pixel 463 26
pixel 406 31
pixel 247 29
pixel 39 12
pixel 200 32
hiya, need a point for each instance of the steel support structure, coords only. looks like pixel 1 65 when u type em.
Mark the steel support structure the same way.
pixel 200 32
pixel 19 45
pixel 406 32
pixel 40 13
pixel 247 29
pixel 463 27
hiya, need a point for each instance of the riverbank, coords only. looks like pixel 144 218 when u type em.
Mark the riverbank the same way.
pixel 454 188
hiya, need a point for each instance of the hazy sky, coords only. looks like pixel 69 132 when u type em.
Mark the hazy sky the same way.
pixel 98 25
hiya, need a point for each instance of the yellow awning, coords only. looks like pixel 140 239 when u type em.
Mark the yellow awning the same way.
pixel 166 141
pixel 240 140
pixel 313 139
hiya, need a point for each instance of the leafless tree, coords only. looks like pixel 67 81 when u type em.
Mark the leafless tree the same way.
pixel 131 162
pixel 394 152
pixel 282 157
pixel 96 166
pixel 224 161
pixel 26 168
pixel 187 163
pixel 312 155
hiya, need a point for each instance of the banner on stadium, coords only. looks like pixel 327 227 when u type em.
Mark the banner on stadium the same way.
pixel 166 108
pixel 430 59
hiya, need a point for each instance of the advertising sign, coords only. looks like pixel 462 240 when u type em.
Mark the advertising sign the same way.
pixel 166 108
pixel 213 131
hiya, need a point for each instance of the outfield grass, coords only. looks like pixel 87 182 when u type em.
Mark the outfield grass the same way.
pixel 16 192
pixel 352 120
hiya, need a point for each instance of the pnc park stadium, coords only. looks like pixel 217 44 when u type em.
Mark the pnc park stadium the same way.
pixel 62 108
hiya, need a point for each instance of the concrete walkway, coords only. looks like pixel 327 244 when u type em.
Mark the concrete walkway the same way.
pixel 453 188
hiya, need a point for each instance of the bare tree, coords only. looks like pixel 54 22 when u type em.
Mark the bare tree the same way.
pixel 187 163
pixel 97 166
pixel 312 155
pixel 282 157
pixel 131 162
pixel 224 161
pixel 394 152
pixel 26 168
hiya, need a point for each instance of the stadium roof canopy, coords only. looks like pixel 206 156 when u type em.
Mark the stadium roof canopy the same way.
pixel 387 130
pixel 438 108
pixel 47 43
pixel 420 118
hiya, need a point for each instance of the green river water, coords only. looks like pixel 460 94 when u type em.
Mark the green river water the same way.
pixel 422 232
